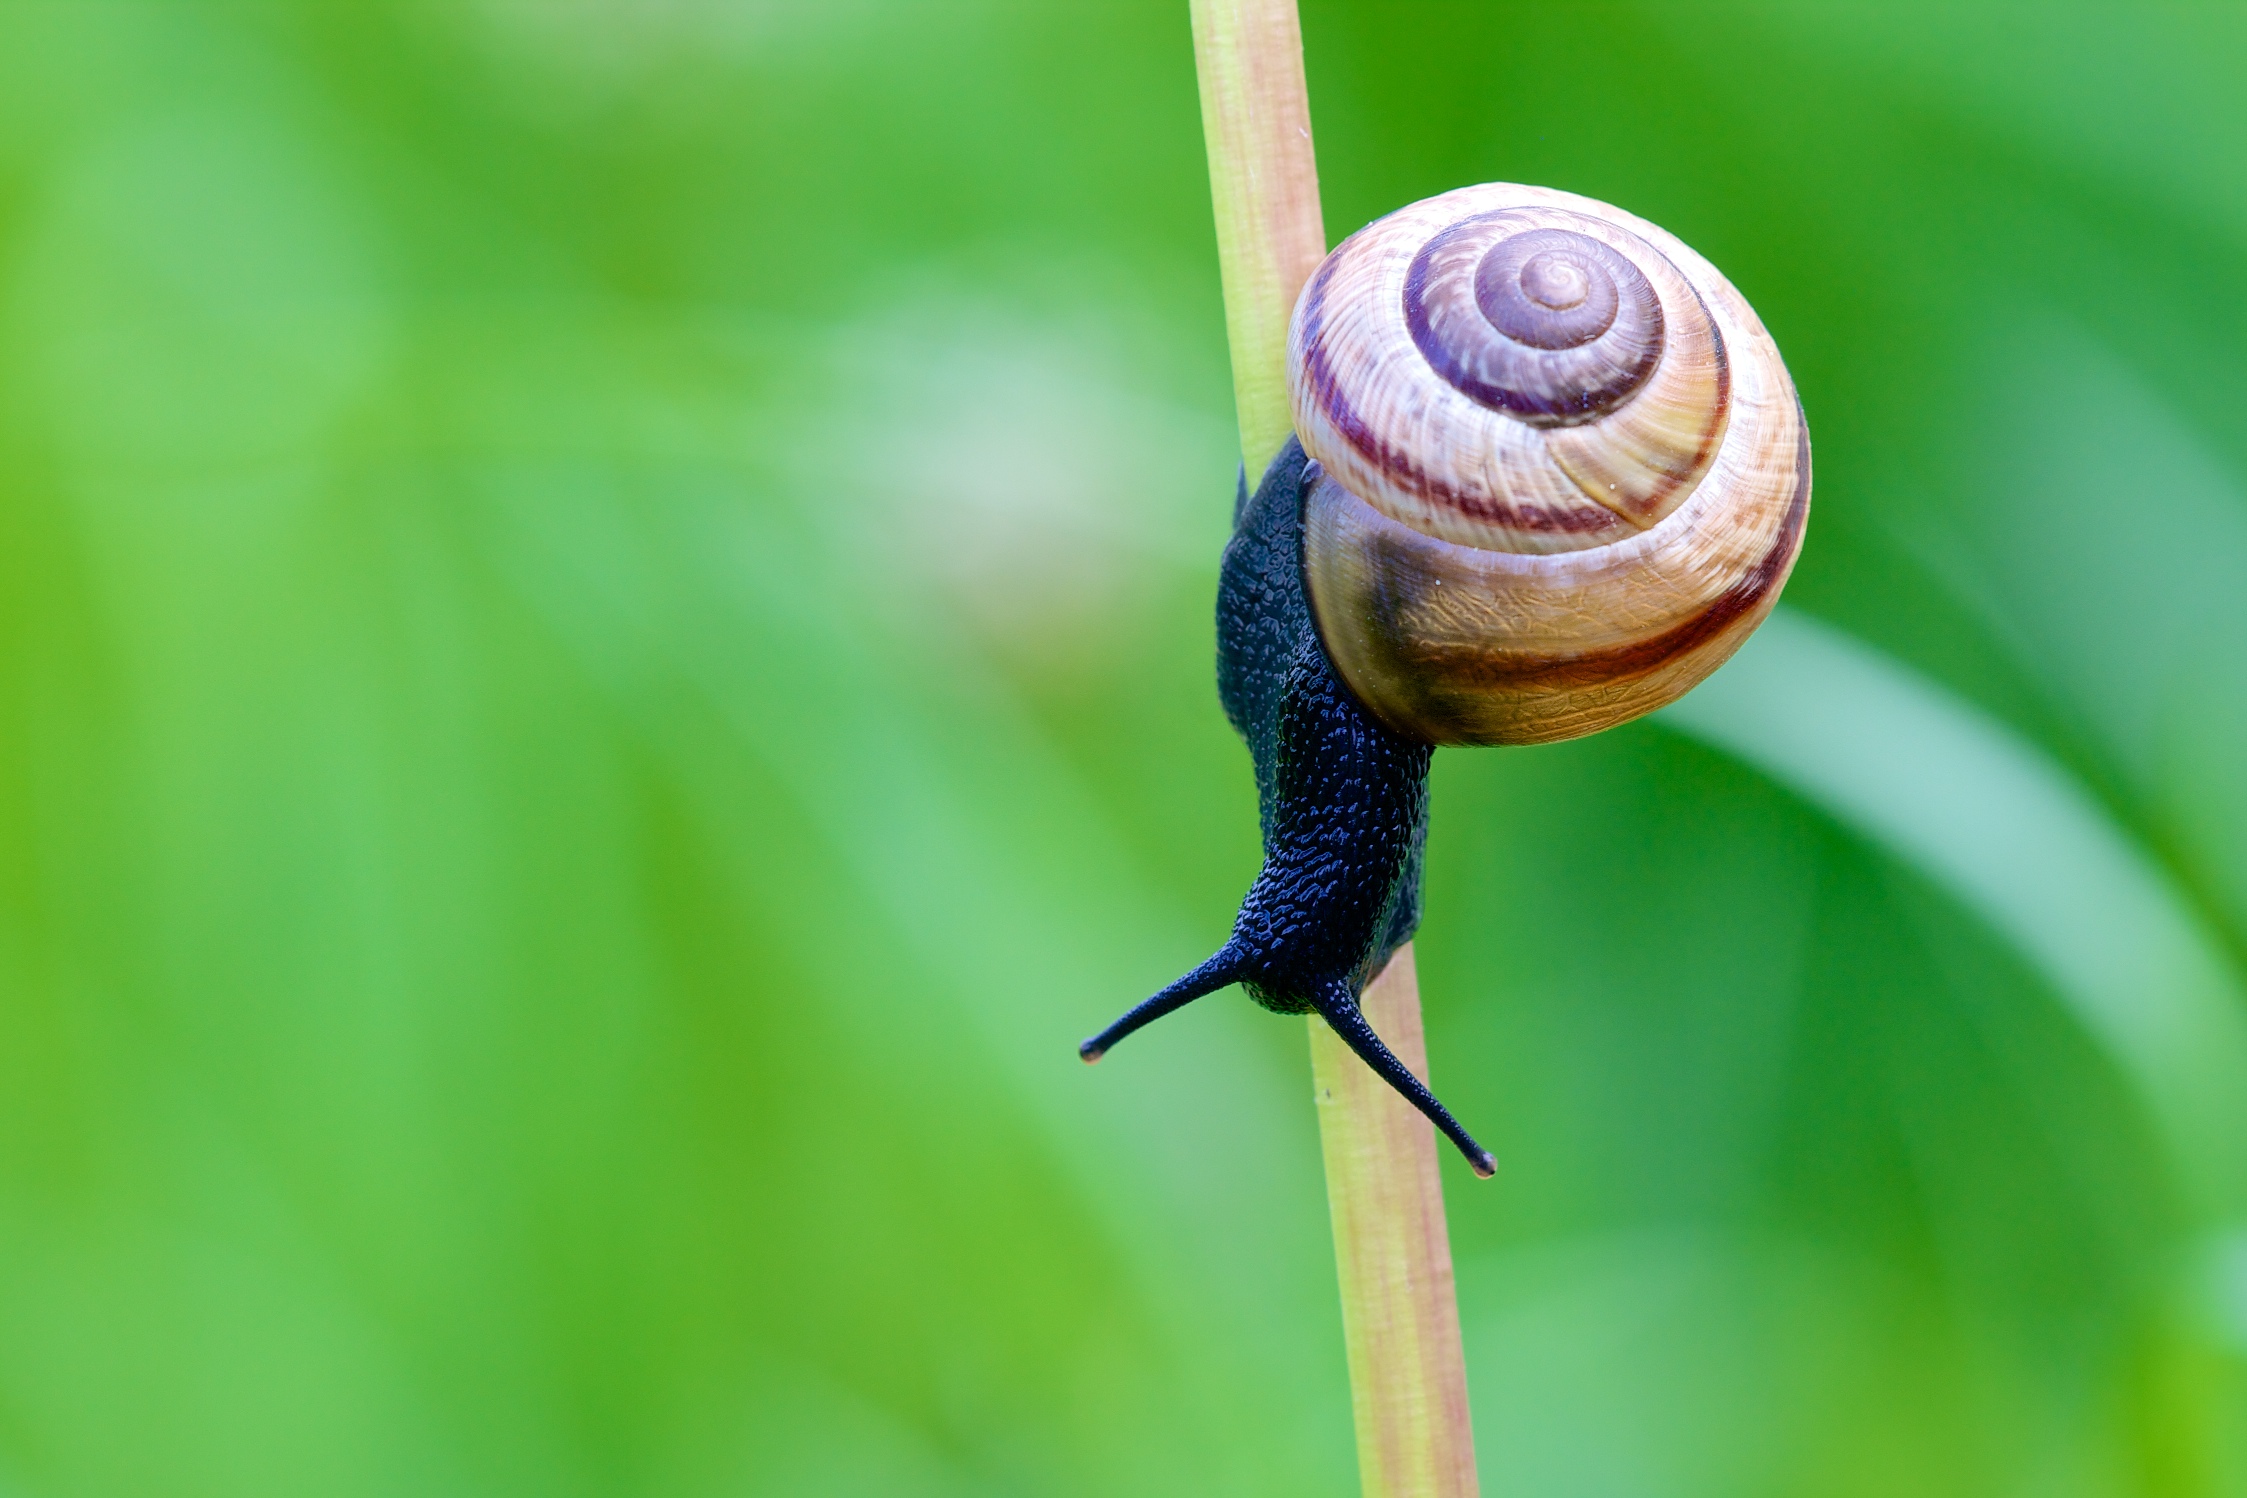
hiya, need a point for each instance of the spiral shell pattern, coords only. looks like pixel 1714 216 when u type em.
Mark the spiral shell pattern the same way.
pixel 1564 469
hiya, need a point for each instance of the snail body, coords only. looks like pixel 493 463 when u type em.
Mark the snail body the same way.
pixel 1549 473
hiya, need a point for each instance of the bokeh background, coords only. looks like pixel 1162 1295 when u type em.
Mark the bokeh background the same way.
pixel 605 660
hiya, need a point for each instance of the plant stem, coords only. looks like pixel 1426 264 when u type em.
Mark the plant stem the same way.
pixel 1400 1313
pixel 1256 118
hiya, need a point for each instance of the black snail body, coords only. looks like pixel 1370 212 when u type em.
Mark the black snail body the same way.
pixel 1550 472
pixel 1342 799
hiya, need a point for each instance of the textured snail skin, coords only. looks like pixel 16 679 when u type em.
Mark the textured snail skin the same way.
pixel 1342 799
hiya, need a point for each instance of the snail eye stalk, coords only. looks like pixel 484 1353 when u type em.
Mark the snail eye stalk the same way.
pixel 1219 971
pixel 1343 1016
pixel 1334 1004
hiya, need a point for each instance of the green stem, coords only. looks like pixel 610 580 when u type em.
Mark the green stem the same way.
pixel 1256 118
pixel 1400 1313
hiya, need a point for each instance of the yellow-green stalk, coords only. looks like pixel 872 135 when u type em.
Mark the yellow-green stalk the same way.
pixel 1400 1314
pixel 1256 118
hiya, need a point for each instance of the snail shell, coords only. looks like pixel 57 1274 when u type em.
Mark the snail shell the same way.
pixel 1565 472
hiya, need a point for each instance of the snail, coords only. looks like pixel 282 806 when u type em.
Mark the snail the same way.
pixel 1548 473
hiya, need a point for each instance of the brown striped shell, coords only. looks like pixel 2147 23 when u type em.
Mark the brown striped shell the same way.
pixel 1564 470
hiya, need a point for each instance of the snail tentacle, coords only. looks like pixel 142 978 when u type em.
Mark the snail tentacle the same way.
pixel 1220 971
pixel 1340 1011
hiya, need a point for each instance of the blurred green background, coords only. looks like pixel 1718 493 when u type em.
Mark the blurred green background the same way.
pixel 605 660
